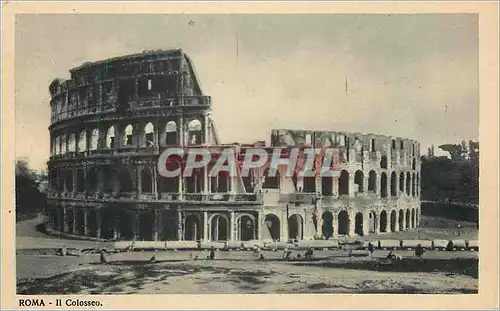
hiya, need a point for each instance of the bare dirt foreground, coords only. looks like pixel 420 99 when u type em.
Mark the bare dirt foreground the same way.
pixel 38 271
pixel 131 273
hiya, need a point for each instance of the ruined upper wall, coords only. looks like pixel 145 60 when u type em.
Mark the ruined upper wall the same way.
pixel 356 141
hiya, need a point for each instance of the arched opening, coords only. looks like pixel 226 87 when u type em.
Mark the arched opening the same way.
pixel 92 179
pixel 295 227
pixel 326 185
pixel 82 141
pixel 359 180
pixel 401 222
pixel 343 223
pixel 126 223
pixel 372 222
pixel 273 225
pixel 221 183
pixel 309 185
pixel 107 179
pixel 372 181
pixel 408 181
pixel 194 183
pixel 393 184
pixel 57 146
pixel 149 130
pixel 125 180
pixel 168 184
pixel 192 228
pixel 107 223
pixel 393 221
pixel 80 180
pixel 110 137
pixel 383 221
pixel 344 182
pixel 169 225
pixel 80 221
pixel 92 222
pixel 246 226
pixel 327 229
pixel 219 228
pixel 413 185
pixel 171 133
pixel 146 181
pixel 129 135
pixel 358 228
pixel 413 164
pixel 383 185
pixel 72 143
pixel 194 132
pixel 63 144
pixel 146 223
pixel 417 186
pixel 94 140
pixel 413 218
pixel 271 182
pixel 408 219
pixel 402 182
pixel 69 181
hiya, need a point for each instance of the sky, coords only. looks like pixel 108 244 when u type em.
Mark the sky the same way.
pixel 413 76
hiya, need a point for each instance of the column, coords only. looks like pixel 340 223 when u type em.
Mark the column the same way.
pixel 205 130
pixel 180 184
pixel 259 224
pixel 155 225
pixel 205 180
pixel 205 226
pixel 181 131
pixel 135 226
pixel 115 227
pixel 365 183
pixel 179 225
pixel 351 184
pixel 352 223
pixel 74 179
pixel 396 226
pixel 232 226
pixel 74 220
pixel 366 224
pixel 335 187
pixel 378 184
pixel 98 223
pixel 85 222
pixel 65 220
pixel 376 222
pixel 139 179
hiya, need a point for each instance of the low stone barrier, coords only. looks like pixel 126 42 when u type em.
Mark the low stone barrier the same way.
pixel 359 253
pixel 411 244
pixel 473 245
pixel 123 245
pixel 318 244
pixel 278 246
pixel 253 243
pixel 439 244
pixel 149 245
pixel 181 245
pixel 459 244
pixel 389 244
pixel 215 245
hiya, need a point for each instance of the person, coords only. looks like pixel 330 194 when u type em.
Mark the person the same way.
pixel 309 253
pixel 286 254
pixel 419 250
pixel 390 255
pixel 262 257
pixel 371 248
pixel 104 258
pixel 152 259
pixel 212 253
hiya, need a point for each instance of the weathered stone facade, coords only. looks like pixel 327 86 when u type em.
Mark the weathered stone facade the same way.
pixel 112 119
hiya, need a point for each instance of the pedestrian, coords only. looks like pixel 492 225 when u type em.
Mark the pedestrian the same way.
pixel 152 259
pixel 371 248
pixel 212 253
pixel 104 257
pixel 419 250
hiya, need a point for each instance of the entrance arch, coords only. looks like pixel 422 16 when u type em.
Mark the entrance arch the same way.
pixel 125 225
pixel 273 225
pixel 401 220
pixel 327 228
pixel 192 228
pixel 246 228
pixel 372 222
pixel 407 219
pixel 219 226
pixel 383 221
pixel 343 223
pixel 413 218
pixel 295 227
pixel 393 221
pixel 358 227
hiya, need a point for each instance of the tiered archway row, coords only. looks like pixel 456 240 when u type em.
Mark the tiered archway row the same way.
pixel 127 223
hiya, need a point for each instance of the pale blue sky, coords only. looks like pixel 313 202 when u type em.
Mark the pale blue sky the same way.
pixel 289 71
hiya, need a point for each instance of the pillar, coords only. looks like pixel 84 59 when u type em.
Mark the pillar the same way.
pixel 85 222
pixel 155 225
pixel 366 224
pixel 181 132
pixel 396 226
pixel 98 223
pixel 135 225
pixel 259 223
pixel 205 226
pixel 351 184
pixel 205 180
pixel 232 227
pixel 139 179
pixel 352 223
pixel 74 220
pixel 65 220
pixel 335 187
pixel 205 129
pixel 179 225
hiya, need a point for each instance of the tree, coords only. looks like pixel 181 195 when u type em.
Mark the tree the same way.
pixel 29 199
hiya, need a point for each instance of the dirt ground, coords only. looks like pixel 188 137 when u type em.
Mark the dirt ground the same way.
pixel 331 271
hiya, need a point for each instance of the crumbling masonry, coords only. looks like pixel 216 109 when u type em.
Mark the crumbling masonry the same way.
pixel 111 120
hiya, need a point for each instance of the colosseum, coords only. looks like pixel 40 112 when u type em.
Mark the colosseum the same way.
pixel 112 119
